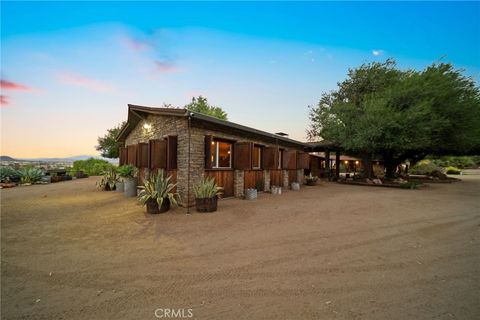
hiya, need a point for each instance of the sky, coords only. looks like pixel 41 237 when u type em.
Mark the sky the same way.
pixel 69 69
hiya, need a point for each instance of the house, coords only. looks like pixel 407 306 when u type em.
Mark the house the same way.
pixel 190 145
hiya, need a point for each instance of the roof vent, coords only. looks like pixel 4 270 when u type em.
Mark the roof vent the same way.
pixel 283 134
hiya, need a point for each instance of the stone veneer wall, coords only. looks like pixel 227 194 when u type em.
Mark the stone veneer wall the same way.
pixel 162 126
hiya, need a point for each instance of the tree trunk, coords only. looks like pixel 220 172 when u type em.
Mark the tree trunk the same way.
pixel 367 161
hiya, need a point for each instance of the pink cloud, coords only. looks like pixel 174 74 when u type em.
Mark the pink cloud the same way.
pixel 8 85
pixel 82 81
pixel 165 67
pixel 3 100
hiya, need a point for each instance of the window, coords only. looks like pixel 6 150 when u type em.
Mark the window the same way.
pixel 221 154
pixel 257 157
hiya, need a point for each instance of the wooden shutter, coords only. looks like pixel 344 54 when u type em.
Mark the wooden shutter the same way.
pixel 270 158
pixel 290 159
pixel 302 160
pixel 171 152
pixel 208 154
pixel 142 155
pixel 158 154
pixel 132 155
pixel 122 153
pixel 242 153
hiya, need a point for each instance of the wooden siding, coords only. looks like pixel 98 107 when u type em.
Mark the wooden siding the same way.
pixel 276 178
pixel 224 179
pixel 292 176
pixel 254 179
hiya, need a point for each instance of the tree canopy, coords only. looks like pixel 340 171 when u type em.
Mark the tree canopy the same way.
pixel 107 145
pixel 380 110
pixel 200 105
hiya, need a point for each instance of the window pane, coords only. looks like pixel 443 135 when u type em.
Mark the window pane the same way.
pixel 256 157
pixel 213 154
pixel 224 152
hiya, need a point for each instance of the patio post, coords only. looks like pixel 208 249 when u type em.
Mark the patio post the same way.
pixel 337 164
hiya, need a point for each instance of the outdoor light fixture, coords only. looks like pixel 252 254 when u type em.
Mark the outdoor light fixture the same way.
pixel 346 161
pixel 356 162
pixel 147 126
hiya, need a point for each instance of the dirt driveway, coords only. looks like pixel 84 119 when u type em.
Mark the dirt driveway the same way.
pixel 326 252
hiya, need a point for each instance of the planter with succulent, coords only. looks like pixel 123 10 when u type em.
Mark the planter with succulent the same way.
pixel 108 180
pixel 128 174
pixel 311 180
pixel 206 195
pixel 157 194
pixel 124 172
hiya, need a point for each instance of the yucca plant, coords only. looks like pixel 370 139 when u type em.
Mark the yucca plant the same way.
pixel 206 193
pixel 31 175
pixel 158 189
pixel 207 188
pixel 108 180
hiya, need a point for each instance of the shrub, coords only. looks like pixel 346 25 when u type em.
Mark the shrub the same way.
pixel 424 167
pixel 31 175
pixel 108 180
pixel 9 174
pixel 453 170
pixel 127 171
pixel 91 167
pixel 159 188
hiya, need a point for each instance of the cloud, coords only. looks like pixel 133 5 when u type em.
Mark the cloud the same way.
pixel 136 45
pixel 8 85
pixel 377 53
pixel 165 67
pixel 82 81
pixel 4 100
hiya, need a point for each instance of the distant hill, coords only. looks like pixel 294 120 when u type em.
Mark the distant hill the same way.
pixel 7 158
pixel 67 159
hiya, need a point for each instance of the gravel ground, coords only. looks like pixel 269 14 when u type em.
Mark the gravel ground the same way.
pixel 327 252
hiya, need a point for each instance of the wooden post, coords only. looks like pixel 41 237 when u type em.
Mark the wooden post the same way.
pixel 337 164
pixel 327 163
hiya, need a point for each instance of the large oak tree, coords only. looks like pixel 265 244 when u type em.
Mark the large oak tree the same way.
pixel 382 111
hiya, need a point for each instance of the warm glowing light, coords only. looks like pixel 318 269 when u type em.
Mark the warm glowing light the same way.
pixel 356 162
pixel 213 142
pixel 147 126
pixel 346 161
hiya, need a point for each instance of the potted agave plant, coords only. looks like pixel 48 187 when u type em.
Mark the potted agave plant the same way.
pixel 157 194
pixel 124 172
pixel 311 180
pixel 129 176
pixel 206 195
pixel 108 180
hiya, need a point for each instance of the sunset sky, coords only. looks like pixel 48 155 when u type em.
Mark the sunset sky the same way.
pixel 69 69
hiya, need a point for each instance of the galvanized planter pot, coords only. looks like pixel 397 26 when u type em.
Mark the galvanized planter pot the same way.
pixel 276 190
pixel 119 186
pixel 251 194
pixel 130 186
pixel 295 186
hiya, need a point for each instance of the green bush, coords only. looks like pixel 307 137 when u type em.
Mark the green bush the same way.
pixel 453 170
pixel 91 167
pixel 9 174
pixel 426 167
pixel 456 161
